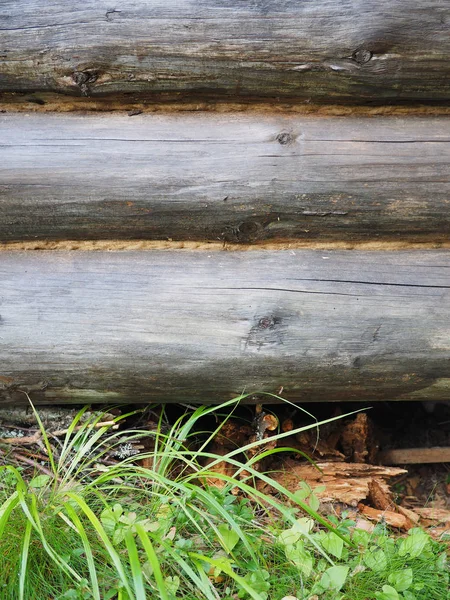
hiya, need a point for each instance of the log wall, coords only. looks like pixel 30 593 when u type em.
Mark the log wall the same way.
pixel 232 149
pixel 199 326
pixel 345 51
pixel 235 178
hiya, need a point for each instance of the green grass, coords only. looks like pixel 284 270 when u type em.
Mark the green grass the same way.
pixel 125 532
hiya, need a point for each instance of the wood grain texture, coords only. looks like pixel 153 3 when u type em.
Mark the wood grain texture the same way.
pixel 325 50
pixel 180 325
pixel 234 178
pixel 415 456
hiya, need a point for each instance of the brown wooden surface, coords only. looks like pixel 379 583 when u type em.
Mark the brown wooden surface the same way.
pixel 323 50
pixel 235 178
pixel 415 456
pixel 204 327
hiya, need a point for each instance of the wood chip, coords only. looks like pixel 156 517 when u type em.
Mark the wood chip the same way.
pixel 409 514
pixel 388 516
pixel 379 496
pixel 434 514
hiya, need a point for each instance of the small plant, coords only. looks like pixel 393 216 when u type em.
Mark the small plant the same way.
pixel 381 568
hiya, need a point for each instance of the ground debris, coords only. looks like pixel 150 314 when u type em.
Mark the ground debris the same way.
pixel 389 517
pixel 347 483
pixel 379 497
pixel 438 515
pixel 358 440
pixel 53 418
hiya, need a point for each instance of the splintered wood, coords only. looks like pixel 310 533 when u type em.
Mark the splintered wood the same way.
pixel 346 483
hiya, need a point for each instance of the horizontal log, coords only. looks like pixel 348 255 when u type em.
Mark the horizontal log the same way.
pixel 234 178
pixel 324 50
pixel 415 456
pixel 203 327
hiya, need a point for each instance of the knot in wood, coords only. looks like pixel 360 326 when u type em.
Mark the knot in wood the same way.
pixel 362 56
pixel 84 77
pixel 266 322
pixel 284 138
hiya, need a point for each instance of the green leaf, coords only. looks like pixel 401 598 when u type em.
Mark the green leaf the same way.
pixel 300 557
pixel 258 581
pixel 375 560
pixel 314 502
pixel 110 518
pixel 303 525
pixel 154 562
pixel 401 580
pixel 334 578
pixel 172 584
pixel 442 562
pixel 361 537
pixel 333 544
pixel 388 593
pixel 289 537
pixel 409 595
pixel 229 537
pixel 303 491
pixel 414 544
pixel 40 481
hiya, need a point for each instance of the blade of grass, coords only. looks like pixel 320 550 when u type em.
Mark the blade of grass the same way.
pixel 33 516
pixel 229 571
pixel 105 539
pixel 78 526
pixel 45 439
pixel 24 559
pixel 136 570
pixel 204 585
pixel 154 562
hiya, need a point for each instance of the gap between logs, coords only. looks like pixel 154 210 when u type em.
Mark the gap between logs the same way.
pixel 132 245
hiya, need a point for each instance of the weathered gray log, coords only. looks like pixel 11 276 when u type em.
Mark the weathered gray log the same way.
pixel 327 50
pixel 237 178
pixel 177 326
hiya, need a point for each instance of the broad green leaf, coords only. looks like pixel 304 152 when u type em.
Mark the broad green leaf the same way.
pixel 300 557
pixel 110 518
pixel 172 584
pixel 40 481
pixel 314 502
pixel 289 537
pixel 333 544
pixel 414 544
pixel 442 562
pixel 401 580
pixel 258 581
pixel 388 593
pixel 407 595
pixel 361 537
pixel 375 560
pixel 334 578
pixel 229 537
pixel 303 491
pixel 303 525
